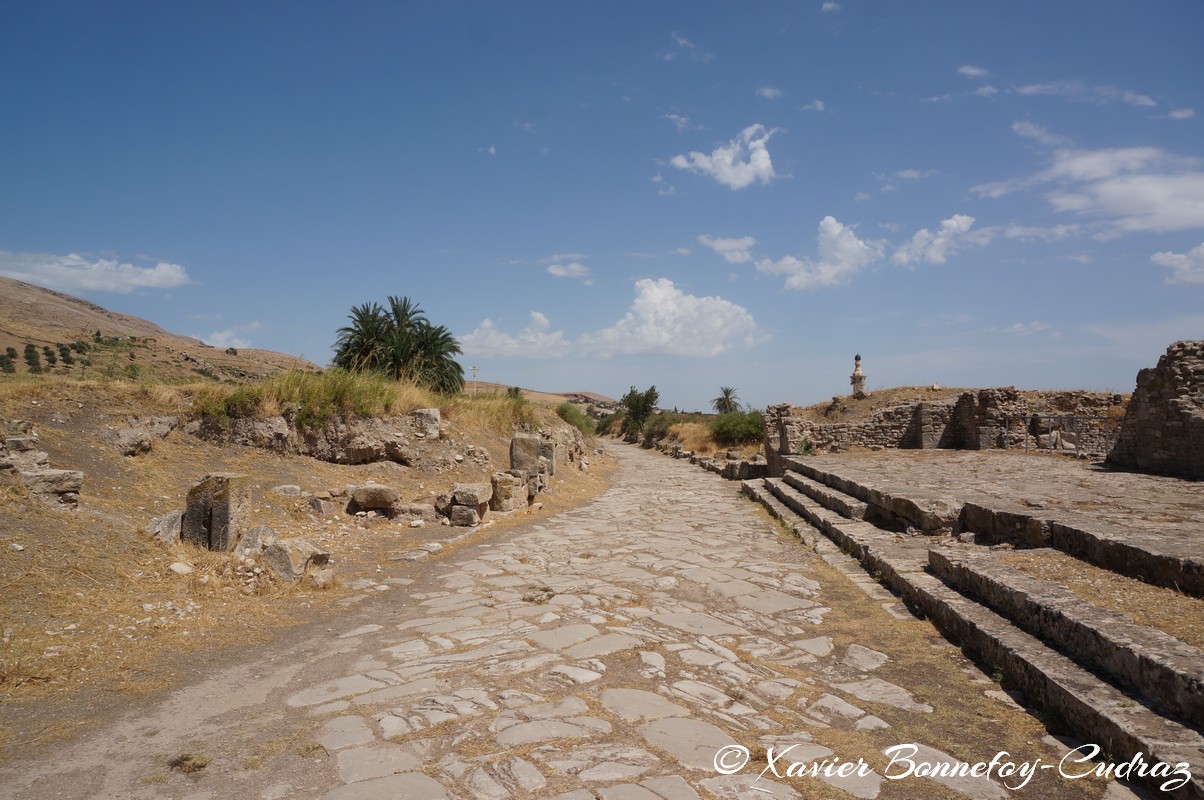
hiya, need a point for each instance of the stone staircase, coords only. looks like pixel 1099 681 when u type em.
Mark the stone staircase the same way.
pixel 1128 688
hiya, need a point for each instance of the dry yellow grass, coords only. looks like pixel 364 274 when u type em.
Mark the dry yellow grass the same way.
pixel 694 436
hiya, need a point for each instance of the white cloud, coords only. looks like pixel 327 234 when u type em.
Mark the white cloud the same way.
pixel 841 255
pixel 953 234
pixel 1135 99
pixel 491 150
pixel 737 164
pixel 661 320
pixel 769 92
pixel 986 91
pixel 1178 113
pixel 1021 328
pixel 684 47
pixel 830 6
pixel 681 123
pixel 680 251
pixel 534 341
pixel 1187 268
pixel 230 337
pixel 1131 188
pixel 573 270
pixel 816 105
pixel 1054 233
pixel 556 257
pixel 665 321
pixel 1087 93
pixel 75 273
pixel 1031 130
pixel 734 251
pixel 971 71
pixel 862 196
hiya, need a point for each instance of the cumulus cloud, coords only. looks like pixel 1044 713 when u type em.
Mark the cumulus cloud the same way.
pixel 1180 113
pixel 573 270
pixel 737 164
pixel 986 91
pixel 830 6
pixel 735 251
pixel 661 320
pixel 664 320
pixel 75 273
pixel 232 337
pixel 1186 268
pixel 953 235
pixel 971 71
pixel 816 105
pixel 556 257
pixel 840 256
pixel 769 92
pixel 536 340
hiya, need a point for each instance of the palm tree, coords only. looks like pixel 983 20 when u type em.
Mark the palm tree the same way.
pixel 400 342
pixel 726 402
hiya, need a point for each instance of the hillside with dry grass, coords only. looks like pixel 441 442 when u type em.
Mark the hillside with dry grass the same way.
pixel 127 346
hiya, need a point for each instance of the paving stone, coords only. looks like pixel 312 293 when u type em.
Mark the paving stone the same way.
pixel 365 763
pixel 879 691
pixel 542 730
pixel 410 785
pixel 693 622
pixel 829 705
pixel 602 645
pixel 576 674
pixel 863 658
pixel 333 690
pixel 343 732
pixel 636 704
pixel 671 787
pixel 560 638
pixel 691 741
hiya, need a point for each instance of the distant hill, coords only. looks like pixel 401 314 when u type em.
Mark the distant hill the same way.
pixel 128 346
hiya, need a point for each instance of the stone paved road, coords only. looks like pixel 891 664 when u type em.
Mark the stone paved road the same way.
pixel 606 653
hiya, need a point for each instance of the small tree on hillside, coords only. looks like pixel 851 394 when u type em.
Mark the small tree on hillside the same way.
pixel 639 406
pixel 726 402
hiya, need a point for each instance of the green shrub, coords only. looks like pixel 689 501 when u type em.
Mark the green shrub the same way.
pixel 610 424
pixel 575 417
pixel 739 427
pixel 657 426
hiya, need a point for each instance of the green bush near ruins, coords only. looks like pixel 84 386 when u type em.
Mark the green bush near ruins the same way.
pixel 399 342
pixel 575 417
pixel 738 427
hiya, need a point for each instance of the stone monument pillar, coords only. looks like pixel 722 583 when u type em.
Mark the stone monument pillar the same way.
pixel 857 379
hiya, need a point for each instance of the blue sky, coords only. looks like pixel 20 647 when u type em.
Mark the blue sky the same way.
pixel 592 196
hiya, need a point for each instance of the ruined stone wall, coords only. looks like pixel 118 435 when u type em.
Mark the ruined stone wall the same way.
pixel 977 420
pixel 1163 428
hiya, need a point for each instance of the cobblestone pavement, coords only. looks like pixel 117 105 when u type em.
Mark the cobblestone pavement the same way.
pixel 613 652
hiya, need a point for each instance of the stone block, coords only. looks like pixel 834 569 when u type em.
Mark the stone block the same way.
pixel 289 559
pixel 216 511
pixel 549 451
pixel 464 516
pixel 509 491
pixel 471 494
pixel 53 481
pixel 412 511
pixel 427 421
pixel 524 452
pixel 167 527
pixel 373 497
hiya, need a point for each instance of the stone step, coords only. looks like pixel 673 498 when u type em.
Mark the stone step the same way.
pixel 931 515
pixel 829 498
pixel 1166 671
pixel 1152 558
pixel 758 492
pixel 1093 709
